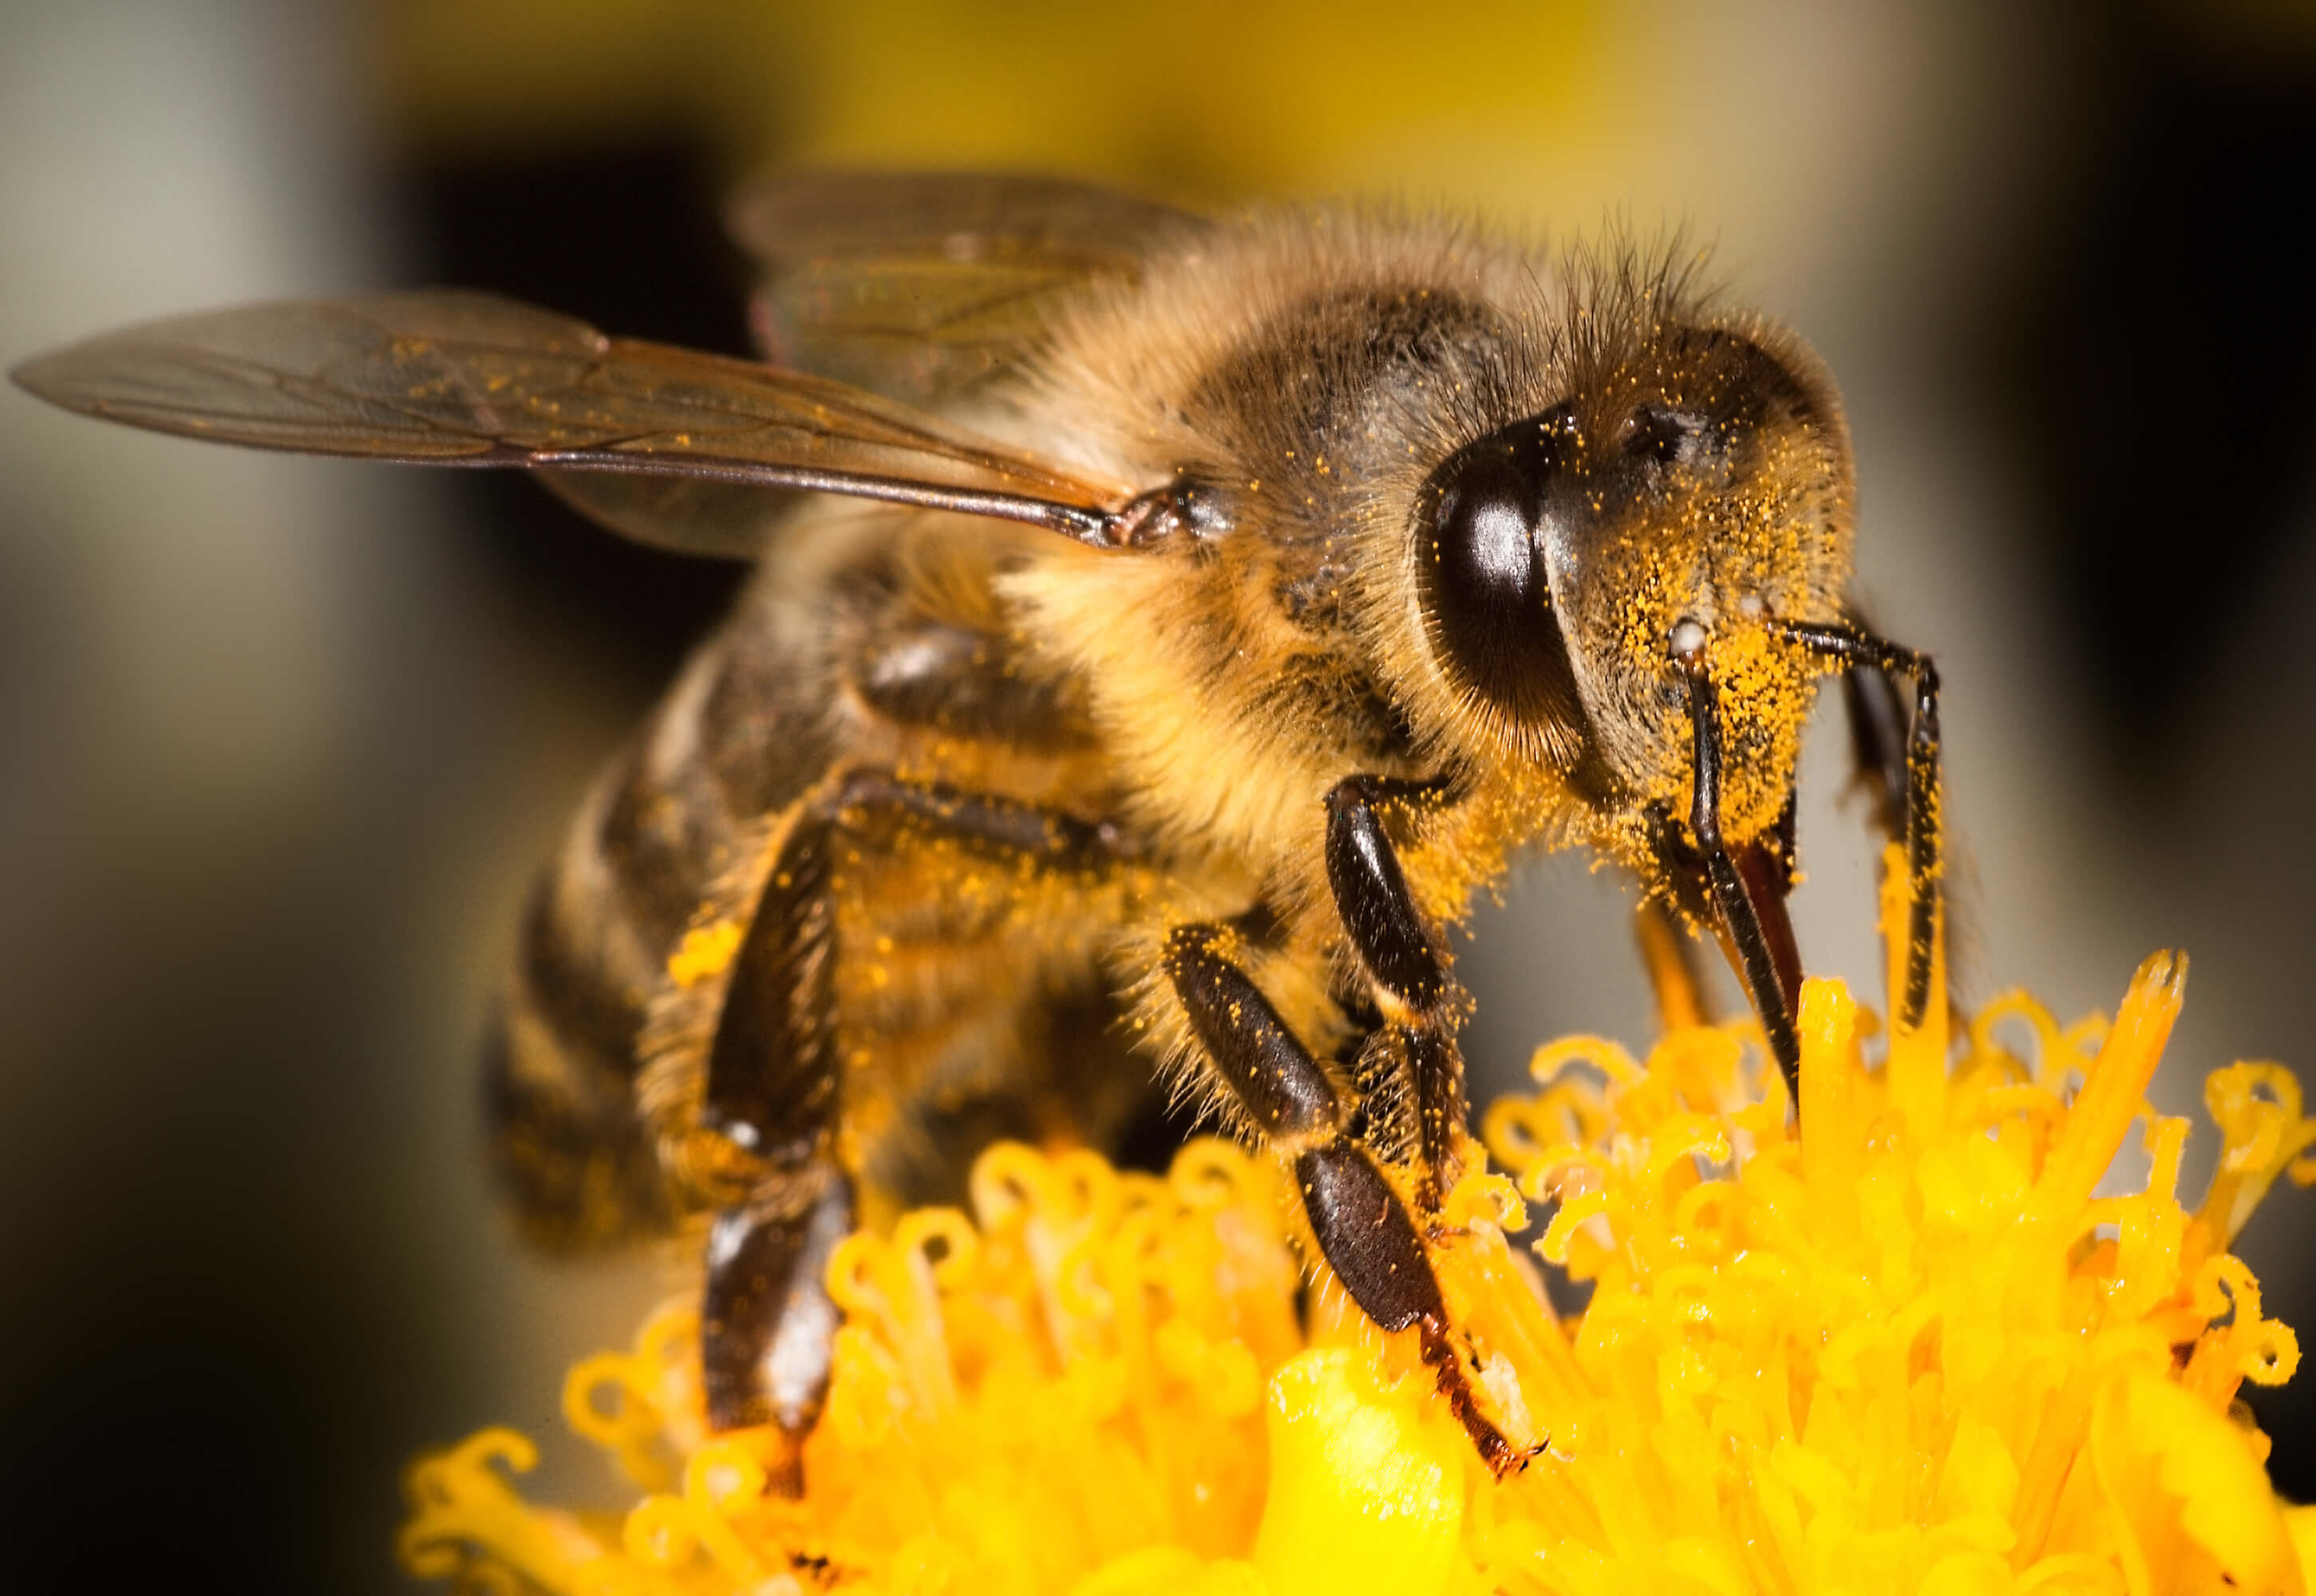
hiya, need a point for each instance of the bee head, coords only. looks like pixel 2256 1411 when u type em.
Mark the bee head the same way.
pixel 1698 483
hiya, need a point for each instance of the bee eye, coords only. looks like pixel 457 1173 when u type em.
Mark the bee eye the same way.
pixel 1486 599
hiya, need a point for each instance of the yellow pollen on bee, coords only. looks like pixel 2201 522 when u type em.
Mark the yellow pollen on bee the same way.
pixel 705 953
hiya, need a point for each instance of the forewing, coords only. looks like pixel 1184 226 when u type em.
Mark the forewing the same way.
pixel 685 515
pixel 924 285
pixel 465 378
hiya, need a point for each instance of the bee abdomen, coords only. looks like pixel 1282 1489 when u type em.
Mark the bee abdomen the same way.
pixel 559 1083
pixel 571 1152
pixel 574 1149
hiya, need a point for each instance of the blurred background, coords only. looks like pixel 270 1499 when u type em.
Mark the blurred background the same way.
pixel 285 739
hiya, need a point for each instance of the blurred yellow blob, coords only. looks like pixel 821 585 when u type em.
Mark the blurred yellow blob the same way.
pixel 1367 1484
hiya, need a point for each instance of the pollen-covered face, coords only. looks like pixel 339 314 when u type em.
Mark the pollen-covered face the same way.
pixel 1698 482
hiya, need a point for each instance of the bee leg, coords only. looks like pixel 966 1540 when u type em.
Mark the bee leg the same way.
pixel 1362 1228
pixel 766 1320
pixel 1924 837
pixel 1877 712
pixel 1411 985
pixel 773 1070
pixel 1904 775
pixel 1874 702
pixel 767 1324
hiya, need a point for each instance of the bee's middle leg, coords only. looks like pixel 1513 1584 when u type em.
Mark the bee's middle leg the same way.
pixel 1406 973
pixel 1288 1098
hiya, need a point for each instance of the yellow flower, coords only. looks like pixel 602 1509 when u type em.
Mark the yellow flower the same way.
pixel 1907 1347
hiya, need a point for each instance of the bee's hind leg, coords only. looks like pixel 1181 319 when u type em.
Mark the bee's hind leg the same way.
pixel 1362 1228
pixel 767 1323
pixel 768 1327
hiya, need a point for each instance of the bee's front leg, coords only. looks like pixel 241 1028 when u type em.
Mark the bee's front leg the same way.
pixel 1875 710
pixel 1288 1098
pixel 1898 753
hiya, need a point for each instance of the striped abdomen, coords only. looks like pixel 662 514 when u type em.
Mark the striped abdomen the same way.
pixel 730 745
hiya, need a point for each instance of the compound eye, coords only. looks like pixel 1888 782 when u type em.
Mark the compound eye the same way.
pixel 1486 540
pixel 1484 591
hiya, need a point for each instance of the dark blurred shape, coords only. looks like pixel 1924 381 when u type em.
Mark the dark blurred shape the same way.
pixel 629 237
pixel 2165 351
pixel 2287 1413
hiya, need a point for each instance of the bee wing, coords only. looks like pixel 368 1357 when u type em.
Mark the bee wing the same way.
pixel 458 379
pixel 924 285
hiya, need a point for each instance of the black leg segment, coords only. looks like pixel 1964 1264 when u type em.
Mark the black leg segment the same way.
pixel 1362 1228
pixel 1876 713
pixel 1285 1092
pixel 1367 1236
pixel 1372 897
pixel 766 1320
pixel 1403 961
pixel 1435 1067
pixel 771 1072
pixel 1860 651
pixel 772 1082
pixel 772 1066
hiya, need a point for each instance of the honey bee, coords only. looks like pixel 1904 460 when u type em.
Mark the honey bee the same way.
pixel 1163 626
